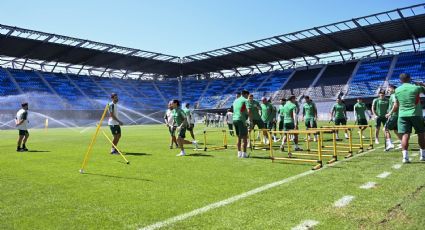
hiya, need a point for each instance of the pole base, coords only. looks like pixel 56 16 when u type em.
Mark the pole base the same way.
pixel 81 171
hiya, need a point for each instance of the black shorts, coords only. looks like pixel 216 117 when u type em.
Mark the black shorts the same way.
pixel 181 133
pixel 23 132
pixel 362 121
pixel 340 121
pixel 115 129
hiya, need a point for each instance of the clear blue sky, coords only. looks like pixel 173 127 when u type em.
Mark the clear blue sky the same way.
pixel 183 27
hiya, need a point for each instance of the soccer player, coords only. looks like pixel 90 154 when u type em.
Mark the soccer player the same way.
pixel 309 115
pixel 274 120
pixel 410 114
pixel 229 121
pixel 281 115
pixel 169 122
pixel 339 114
pixel 360 111
pixel 240 114
pixel 181 123
pixel 392 118
pixel 290 120
pixel 267 116
pixel 254 107
pixel 113 122
pixel 190 120
pixel 379 110
pixel 21 122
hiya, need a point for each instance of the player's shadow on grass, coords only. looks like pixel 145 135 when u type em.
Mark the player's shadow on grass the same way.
pixel 38 151
pixel 260 157
pixel 199 155
pixel 117 177
pixel 137 154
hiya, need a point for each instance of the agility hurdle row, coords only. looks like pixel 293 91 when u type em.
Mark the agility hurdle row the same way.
pixel 305 153
pixel 217 147
pixel 254 144
pixel 351 145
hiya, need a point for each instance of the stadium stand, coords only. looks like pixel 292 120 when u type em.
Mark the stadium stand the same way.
pixel 412 63
pixel 369 77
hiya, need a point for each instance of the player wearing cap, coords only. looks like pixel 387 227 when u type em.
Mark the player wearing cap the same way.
pixel 113 122
pixel 379 110
pixel 392 118
pixel 408 103
pixel 21 122
pixel 190 120
pixel 169 122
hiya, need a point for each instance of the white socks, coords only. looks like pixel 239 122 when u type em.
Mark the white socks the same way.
pixel 405 154
pixel 242 154
pixel 422 155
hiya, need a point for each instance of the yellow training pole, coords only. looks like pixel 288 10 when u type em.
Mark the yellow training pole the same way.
pixel 104 134
pixel 93 140
pixel 361 139
pixel 371 136
pixel 289 143
pixel 225 139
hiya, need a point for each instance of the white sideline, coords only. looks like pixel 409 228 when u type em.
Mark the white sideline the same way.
pixel 384 175
pixel 306 225
pixel 344 201
pixel 368 185
pixel 233 199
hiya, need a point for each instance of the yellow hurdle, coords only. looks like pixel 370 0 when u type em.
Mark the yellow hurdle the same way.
pixel 93 140
pixel 319 154
pixel 224 134
pixel 258 145
pixel 361 128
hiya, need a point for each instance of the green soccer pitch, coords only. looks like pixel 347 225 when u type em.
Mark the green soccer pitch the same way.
pixel 43 189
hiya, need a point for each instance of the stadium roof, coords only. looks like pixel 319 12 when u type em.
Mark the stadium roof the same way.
pixel 308 46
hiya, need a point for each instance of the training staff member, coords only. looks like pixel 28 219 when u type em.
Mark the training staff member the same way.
pixel 113 122
pixel 21 122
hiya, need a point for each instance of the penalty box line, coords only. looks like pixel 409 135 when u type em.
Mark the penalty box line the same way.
pixel 241 196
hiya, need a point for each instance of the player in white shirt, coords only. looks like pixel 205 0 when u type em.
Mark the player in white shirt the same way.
pixel 113 122
pixel 169 122
pixel 228 119
pixel 21 122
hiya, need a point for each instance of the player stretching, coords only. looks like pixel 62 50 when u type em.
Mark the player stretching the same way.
pixel 114 123
pixel 240 114
pixel 309 115
pixel 180 121
pixel 379 110
pixel 392 118
pixel 360 110
pixel 339 113
pixel 190 120
pixel 290 121
pixel 408 103
pixel 169 122
pixel 21 122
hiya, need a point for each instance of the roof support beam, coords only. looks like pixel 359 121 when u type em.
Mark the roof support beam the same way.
pixel 368 36
pixel 334 42
pixel 299 50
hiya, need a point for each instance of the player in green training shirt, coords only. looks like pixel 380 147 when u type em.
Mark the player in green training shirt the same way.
pixel 360 111
pixel 181 123
pixel 240 115
pixel 280 114
pixel 254 108
pixel 190 120
pixel 309 114
pixel 267 116
pixel 379 110
pixel 290 120
pixel 339 115
pixel 408 103
pixel 392 118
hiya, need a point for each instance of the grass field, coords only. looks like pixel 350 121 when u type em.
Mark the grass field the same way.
pixel 42 189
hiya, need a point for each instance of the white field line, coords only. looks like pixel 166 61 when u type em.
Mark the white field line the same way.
pixel 368 185
pixel 344 201
pixel 384 175
pixel 397 166
pixel 306 225
pixel 233 199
